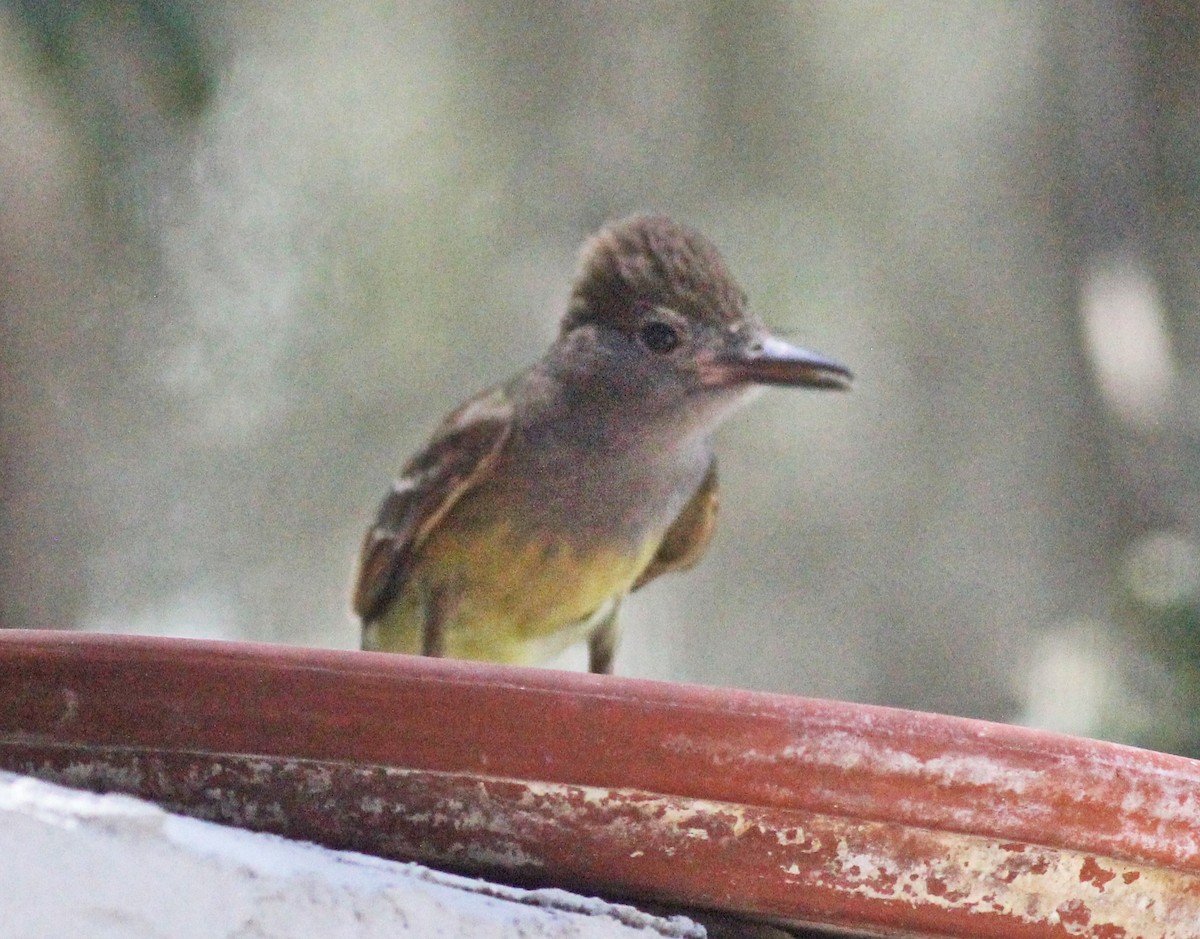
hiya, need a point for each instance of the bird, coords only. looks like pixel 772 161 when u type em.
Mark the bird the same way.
pixel 541 503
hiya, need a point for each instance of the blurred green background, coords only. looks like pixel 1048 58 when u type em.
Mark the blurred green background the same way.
pixel 251 253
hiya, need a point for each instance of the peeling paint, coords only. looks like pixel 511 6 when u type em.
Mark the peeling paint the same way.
pixel 504 824
pixel 371 805
pixel 70 707
pixel 1093 873
pixel 979 876
pixel 799 838
pixel 508 859
pixel 1021 882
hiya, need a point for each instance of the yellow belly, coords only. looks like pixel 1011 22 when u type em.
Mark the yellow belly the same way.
pixel 506 597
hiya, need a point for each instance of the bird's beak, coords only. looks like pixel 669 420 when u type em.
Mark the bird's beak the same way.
pixel 772 361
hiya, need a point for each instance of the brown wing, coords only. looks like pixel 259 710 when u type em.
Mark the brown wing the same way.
pixel 688 537
pixel 461 452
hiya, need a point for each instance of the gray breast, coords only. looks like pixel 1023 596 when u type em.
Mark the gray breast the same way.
pixel 613 485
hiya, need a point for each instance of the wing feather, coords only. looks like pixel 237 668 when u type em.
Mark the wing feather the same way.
pixel 689 535
pixel 459 455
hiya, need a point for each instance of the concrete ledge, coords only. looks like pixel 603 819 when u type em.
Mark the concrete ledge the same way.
pixel 77 864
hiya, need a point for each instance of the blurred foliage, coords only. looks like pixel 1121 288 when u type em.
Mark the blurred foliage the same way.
pixel 252 253
pixel 163 36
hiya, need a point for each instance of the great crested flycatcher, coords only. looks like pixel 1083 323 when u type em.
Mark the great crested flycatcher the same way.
pixel 540 504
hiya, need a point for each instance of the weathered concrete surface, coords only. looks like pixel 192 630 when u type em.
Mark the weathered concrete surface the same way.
pixel 113 867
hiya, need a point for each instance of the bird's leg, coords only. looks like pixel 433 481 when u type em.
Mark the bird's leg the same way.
pixel 433 638
pixel 602 643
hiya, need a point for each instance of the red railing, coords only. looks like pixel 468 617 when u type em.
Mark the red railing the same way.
pixel 862 818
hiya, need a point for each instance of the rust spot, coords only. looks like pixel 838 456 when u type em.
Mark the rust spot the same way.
pixel 1014 867
pixel 1093 873
pixel 1109 931
pixel 887 882
pixel 1130 876
pixel 1074 913
pixel 938 887
pixel 1014 846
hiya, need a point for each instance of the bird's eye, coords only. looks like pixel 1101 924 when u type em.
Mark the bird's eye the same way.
pixel 660 337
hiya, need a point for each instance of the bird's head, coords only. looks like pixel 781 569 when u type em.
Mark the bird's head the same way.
pixel 655 312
